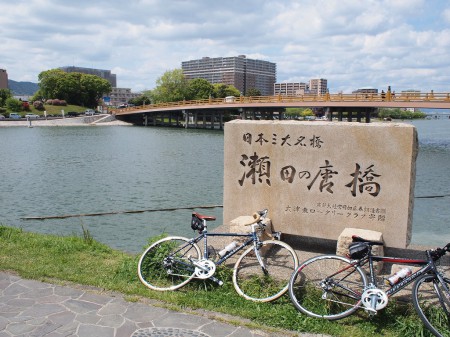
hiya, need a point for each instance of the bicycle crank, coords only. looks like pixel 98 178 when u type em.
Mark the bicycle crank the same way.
pixel 204 269
pixel 374 300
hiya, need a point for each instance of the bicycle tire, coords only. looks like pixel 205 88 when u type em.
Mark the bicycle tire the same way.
pixel 255 284
pixel 327 286
pixel 432 304
pixel 165 265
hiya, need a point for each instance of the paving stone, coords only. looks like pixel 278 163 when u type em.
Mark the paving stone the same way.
pixel 113 321
pixel 174 332
pixel 15 289
pixel 44 329
pixel 45 309
pixel 182 321
pixel 81 313
pixel 218 329
pixel 140 313
pixel 94 330
pixel 81 307
pixel 112 309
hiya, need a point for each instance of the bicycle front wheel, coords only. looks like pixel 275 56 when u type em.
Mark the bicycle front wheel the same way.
pixel 327 286
pixel 432 303
pixel 166 265
pixel 262 274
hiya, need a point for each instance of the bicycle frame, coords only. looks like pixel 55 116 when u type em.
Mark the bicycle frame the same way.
pixel 253 238
pixel 428 266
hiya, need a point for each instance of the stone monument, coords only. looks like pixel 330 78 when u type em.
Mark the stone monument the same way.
pixel 319 177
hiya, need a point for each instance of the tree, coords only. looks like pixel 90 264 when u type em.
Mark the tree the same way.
pixel 170 87
pixel 140 100
pixel 13 104
pixel 253 92
pixel 222 90
pixel 199 88
pixel 4 95
pixel 74 88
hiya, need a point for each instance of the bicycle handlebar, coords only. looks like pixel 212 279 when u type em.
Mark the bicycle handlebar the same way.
pixel 439 252
pixel 257 217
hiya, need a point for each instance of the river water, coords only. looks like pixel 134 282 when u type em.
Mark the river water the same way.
pixel 53 171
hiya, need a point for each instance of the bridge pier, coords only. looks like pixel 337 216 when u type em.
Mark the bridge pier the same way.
pixel 361 113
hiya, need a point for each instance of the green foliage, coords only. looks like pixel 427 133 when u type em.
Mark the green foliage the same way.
pixel 140 100
pixel 397 113
pixel 13 104
pixel 223 90
pixel 4 95
pixel 199 88
pixel 253 92
pixel 74 88
pixel 299 112
pixel 170 87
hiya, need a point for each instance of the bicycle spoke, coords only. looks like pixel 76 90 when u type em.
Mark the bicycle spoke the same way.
pixel 432 303
pixel 327 286
pixel 264 275
pixel 166 264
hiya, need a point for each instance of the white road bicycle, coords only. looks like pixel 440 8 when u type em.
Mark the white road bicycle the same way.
pixel 260 274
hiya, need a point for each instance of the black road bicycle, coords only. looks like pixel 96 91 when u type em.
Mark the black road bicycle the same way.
pixel 334 287
pixel 260 274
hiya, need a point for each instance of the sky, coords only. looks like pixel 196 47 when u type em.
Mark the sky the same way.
pixel 353 44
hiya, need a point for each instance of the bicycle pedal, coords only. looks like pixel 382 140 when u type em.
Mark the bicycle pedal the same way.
pixel 370 311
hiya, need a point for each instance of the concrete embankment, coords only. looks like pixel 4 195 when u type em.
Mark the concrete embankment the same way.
pixel 103 120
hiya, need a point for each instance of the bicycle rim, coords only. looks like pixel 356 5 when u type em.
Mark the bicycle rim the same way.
pixel 432 304
pixel 165 264
pixel 327 286
pixel 266 282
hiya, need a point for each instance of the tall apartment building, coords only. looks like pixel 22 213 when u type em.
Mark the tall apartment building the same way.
pixel 239 71
pixel 290 89
pixel 318 86
pixel 3 79
pixel 105 74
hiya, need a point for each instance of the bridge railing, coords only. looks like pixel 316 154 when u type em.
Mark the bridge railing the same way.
pixel 354 97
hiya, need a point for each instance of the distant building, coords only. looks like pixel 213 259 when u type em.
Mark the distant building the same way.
pixel 318 86
pixel 365 91
pixel 315 87
pixel 3 79
pixel 239 71
pixel 105 74
pixel 290 89
pixel 120 96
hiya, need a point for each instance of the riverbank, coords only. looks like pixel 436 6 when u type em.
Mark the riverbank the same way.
pixel 97 120
pixel 85 262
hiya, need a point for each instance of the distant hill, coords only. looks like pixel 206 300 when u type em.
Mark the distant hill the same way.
pixel 23 88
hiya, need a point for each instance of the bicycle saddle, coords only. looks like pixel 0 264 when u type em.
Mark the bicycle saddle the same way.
pixel 204 217
pixel 357 238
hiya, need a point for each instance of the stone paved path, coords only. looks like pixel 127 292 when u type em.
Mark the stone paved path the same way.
pixel 34 309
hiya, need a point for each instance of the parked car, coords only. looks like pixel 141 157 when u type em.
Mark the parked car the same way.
pixel 15 115
pixel 2 117
pixel 31 116
pixel 73 114
pixel 89 112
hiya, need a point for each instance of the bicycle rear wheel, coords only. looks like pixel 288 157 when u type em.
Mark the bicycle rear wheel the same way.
pixel 327 286
pixel 165 264
pixel 432 303
pixel 263 275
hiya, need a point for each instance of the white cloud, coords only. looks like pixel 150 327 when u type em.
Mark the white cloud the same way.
pixel 403 43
